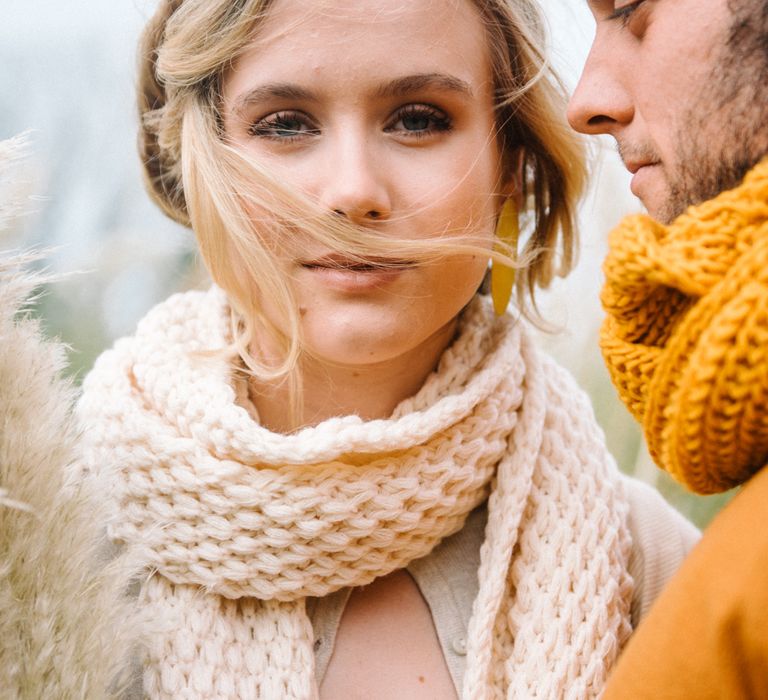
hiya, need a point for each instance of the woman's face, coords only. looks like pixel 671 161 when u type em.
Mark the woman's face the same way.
pixel 382 112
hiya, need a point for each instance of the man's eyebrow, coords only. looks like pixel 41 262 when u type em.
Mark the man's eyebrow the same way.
pixel 286 91
pixel 594 6
pixel 422 81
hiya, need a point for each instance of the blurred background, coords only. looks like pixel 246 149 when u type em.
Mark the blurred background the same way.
pixel 67 78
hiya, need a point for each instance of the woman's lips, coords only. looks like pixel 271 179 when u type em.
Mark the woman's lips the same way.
pixel 353 275
pixel 339 260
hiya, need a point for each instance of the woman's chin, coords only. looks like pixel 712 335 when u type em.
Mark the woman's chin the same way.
pixel 369 335
pixel 357 349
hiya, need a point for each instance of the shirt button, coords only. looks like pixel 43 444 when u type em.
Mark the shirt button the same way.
pixel 460 646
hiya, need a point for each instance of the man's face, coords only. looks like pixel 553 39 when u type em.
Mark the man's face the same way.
pixel 682 85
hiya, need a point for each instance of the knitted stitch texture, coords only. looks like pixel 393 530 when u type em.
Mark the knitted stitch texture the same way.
pixel 239 524
pixel 686 337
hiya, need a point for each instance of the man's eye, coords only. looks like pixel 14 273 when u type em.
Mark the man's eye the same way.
pixel 419 120
pixel 625 12
pixel 284 126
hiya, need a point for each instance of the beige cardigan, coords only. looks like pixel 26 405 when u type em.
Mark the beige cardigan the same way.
pixel 447 578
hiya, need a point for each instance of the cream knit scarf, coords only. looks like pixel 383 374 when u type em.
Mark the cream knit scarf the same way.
pixel 240 525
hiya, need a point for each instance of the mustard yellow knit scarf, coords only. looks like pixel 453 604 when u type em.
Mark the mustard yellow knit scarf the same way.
pixel 686 337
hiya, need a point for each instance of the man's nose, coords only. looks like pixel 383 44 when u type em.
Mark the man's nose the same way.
pixel 600 104
pixel 356 181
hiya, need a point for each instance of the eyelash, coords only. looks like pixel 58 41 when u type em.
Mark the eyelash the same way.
pixel 624 14
pixel 272 126
pixel 440 121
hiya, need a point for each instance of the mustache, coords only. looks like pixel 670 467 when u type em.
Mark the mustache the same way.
pixel 633 153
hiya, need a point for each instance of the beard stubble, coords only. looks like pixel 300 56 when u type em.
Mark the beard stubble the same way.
pixel 731 113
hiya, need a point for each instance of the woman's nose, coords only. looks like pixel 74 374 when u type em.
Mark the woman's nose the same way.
pixel 356 181
pixel 600 104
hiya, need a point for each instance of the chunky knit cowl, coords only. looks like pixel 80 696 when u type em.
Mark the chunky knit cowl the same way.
pixel 239 525
pixel 686 336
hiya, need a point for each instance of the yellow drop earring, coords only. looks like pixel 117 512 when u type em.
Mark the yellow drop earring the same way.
pixel 503 276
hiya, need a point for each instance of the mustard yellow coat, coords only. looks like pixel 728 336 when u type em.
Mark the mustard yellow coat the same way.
pixel 707 634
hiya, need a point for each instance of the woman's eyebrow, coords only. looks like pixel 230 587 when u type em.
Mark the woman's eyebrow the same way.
pixel 286 91
pixel 422 81
pixel 395 88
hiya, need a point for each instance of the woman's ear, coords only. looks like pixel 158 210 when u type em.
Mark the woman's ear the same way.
pixel 512 187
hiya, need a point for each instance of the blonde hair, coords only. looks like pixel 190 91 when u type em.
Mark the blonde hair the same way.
pixel 201 182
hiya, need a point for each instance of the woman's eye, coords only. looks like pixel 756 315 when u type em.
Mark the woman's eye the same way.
pixel 625 12
pixel 284 126
pixel 418 120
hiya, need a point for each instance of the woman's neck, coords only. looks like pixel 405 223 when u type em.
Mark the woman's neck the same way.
pixel 329 390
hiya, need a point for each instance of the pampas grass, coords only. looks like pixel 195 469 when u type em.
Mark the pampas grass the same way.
pixel 12 151
pixel 67 628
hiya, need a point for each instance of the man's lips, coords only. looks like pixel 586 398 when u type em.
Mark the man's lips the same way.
pixel 634 166
pixel 644 174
